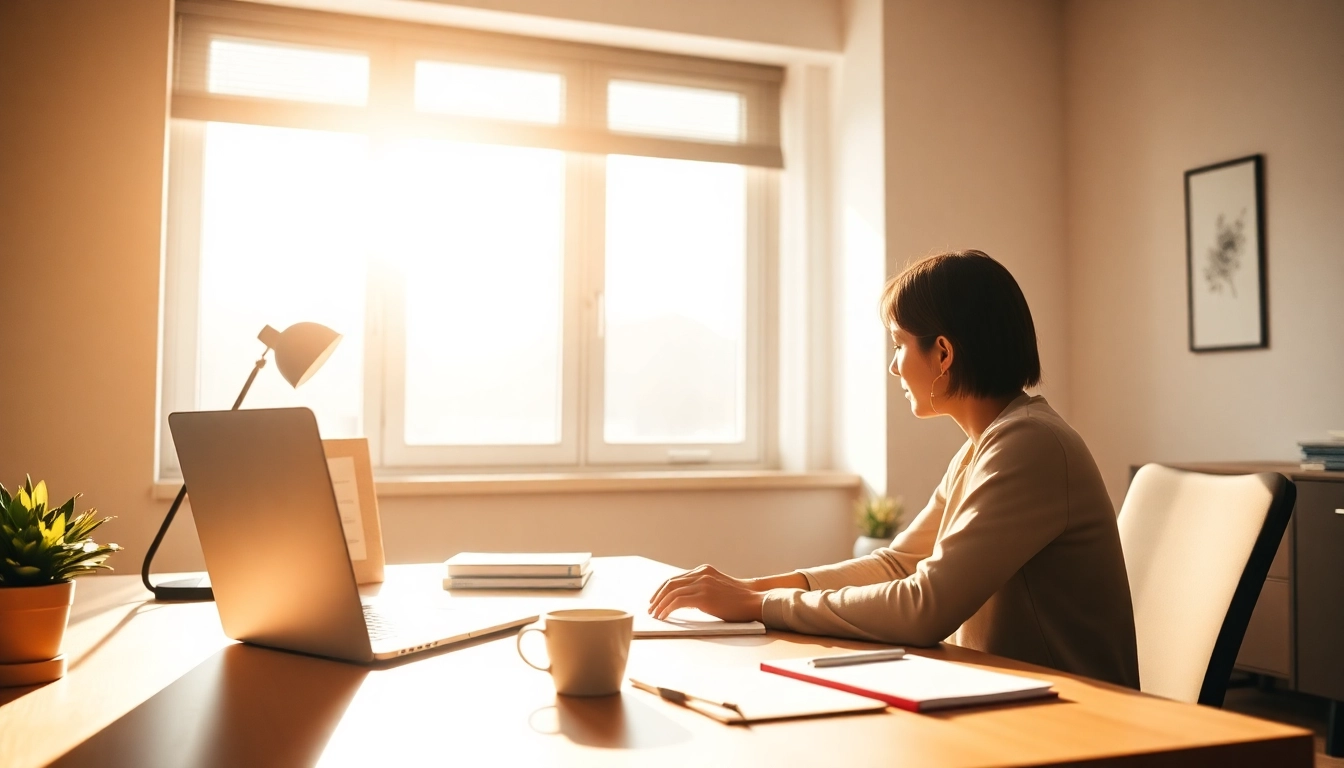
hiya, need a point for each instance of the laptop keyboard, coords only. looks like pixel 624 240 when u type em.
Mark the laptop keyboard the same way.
pixel 401 625
pixel 380 627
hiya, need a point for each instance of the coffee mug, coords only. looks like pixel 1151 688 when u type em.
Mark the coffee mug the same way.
pixel 587 647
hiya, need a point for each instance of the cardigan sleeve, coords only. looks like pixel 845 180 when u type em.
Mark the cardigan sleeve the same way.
pixel 1014 503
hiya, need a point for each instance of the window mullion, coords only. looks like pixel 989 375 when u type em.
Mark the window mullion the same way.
pixel 593 204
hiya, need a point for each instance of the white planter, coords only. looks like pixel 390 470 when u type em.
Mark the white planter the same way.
pixel 865 545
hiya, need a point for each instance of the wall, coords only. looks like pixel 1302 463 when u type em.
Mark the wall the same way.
pixel 974 159
pixel 84 94
pixel 1155 88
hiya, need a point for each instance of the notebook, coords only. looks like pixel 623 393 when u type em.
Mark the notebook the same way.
pixel 754 695
pixel 917 683
pixel 517 564
pixel 275 548
pixel 517 582
pixel 689 622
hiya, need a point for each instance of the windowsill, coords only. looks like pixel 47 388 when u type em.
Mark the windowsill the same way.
pixel 606 482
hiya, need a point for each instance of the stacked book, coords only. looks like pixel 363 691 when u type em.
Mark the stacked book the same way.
pixel 518 570
pixel 1324 454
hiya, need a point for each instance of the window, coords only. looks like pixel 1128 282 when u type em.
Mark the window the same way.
pixel 540 254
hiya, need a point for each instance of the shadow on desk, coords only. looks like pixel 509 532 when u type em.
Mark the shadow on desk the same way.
pixel 607 722
pixel 243 706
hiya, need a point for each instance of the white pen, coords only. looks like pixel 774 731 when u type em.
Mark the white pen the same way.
pixel 861 657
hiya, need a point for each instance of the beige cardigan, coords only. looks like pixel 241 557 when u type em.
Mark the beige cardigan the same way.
pixel 1017 554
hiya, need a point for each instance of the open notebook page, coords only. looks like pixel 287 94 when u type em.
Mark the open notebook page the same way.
pixel 689 622
pixel 757 695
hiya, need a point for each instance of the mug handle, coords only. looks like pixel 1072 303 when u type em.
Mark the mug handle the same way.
pixel 522 655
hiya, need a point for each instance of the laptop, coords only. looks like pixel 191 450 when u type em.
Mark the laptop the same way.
pixel 275 547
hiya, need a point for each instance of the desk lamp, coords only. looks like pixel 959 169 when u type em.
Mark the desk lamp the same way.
pixel 300 350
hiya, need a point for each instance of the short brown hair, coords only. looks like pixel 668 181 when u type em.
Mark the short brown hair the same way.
pixel 973 301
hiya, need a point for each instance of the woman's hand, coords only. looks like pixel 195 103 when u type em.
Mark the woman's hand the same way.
pixel 713 592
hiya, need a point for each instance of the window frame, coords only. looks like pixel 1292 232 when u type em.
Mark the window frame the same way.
pixel 393 49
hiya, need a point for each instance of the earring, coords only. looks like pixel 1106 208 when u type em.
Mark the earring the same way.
pixel 935 381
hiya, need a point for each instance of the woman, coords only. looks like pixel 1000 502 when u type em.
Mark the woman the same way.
pixel 1016 553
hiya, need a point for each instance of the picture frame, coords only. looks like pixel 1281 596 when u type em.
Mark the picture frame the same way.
pixel 1225 255
pixel 351 471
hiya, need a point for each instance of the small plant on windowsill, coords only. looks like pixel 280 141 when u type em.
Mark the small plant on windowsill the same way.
pixel 42 549
pixel 877 517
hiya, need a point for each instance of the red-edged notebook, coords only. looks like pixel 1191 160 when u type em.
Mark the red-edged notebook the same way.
pixel 917 683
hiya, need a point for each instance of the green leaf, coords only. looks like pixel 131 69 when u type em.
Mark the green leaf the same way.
pixel 39 545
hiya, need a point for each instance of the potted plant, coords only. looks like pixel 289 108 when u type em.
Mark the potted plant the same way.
pixel 877 517
pixel 41 550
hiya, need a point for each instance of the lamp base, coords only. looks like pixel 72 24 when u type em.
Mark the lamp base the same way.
pixel 183 590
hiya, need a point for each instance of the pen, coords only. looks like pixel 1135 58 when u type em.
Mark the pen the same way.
pixel 861 657
pixel 681 697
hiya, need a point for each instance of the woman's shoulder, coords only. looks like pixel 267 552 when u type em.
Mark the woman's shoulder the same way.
pixel 1029 423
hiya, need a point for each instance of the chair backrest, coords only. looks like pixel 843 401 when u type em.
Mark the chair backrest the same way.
pixel 1197 549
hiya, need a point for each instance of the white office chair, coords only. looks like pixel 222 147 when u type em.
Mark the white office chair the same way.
pixel 1197 548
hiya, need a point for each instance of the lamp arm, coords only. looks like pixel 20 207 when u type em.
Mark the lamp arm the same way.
pixel 251 377
pixel 172 592
pixel 158 537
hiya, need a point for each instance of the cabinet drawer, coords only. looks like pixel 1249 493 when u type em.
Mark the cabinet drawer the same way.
pixel 1267 646
pixel 1319 581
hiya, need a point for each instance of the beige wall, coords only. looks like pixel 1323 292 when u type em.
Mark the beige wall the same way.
pixel 84 92
pixel 974 159
pixel 1155 88
pixel 83 89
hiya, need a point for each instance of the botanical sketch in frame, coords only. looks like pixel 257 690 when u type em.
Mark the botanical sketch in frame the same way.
pixel 1225 255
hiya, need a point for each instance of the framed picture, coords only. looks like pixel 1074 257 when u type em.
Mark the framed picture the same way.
pixel 1225 255
pixel 352 479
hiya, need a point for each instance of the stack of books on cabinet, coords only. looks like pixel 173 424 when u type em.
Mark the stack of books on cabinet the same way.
pixel 518 570
pixel 1324 454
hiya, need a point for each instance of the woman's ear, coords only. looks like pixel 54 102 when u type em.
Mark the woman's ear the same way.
pixel 943 348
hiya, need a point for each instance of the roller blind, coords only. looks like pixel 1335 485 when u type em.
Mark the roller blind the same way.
pixel 284 67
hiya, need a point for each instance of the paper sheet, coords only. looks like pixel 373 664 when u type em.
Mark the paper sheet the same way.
pixel 689 622
pixel 343 481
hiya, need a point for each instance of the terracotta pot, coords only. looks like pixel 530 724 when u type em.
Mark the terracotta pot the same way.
pixel 32 621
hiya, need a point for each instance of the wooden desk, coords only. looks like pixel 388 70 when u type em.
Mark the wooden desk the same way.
pixel 159 684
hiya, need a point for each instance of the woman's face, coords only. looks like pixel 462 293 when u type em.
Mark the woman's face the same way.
pixel 917 369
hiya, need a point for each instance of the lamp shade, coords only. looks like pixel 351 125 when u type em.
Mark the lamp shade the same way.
pixel 300 349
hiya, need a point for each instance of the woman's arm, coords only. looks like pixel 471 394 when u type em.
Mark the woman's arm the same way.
pixel 1014 504
pixel 719 594
pixel 792 580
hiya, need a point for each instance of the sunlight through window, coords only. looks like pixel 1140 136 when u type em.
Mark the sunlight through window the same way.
pixel 675 312
pixel 271 71
pixel 474 91
pixel 283 240
pixel 544 255
pixel 669 110
pixel 478 234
